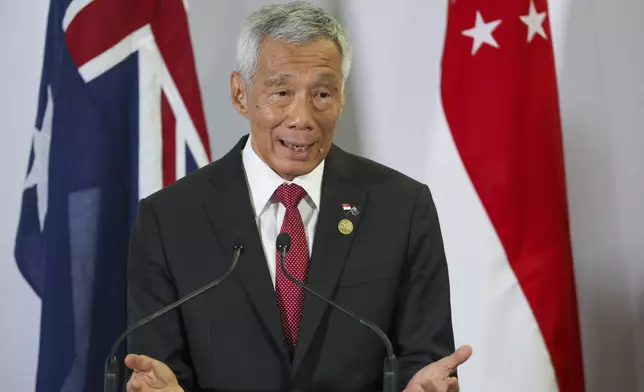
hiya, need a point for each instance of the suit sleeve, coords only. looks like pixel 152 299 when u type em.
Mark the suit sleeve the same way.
pixel 423 323
pixel 150 288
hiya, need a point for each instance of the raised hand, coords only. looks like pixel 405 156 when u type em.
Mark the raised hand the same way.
pixel 150 375
pixel 437 376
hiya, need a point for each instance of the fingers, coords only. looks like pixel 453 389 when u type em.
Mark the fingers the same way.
pixel 457 358
pixel 448 385
pixel 452 385
pixel 134 385
pixel 415 388
pixel 150 373
pixel 139 363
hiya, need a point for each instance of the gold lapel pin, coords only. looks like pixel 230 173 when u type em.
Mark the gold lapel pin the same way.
pixel 345 226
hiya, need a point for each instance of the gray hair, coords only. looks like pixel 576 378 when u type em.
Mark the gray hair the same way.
pixel 293 23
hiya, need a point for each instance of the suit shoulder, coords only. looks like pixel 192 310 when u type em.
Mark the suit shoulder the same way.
pixel 186 187
pixel 371 172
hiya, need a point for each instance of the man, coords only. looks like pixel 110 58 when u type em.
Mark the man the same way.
pixel 362 234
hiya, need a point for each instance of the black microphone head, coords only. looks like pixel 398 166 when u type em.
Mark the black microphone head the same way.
pixel 283 242
pixel 238 242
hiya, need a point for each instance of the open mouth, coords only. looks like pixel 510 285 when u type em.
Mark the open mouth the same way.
pixel 296 147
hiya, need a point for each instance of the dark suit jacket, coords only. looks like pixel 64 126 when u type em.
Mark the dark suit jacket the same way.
pixel 391 270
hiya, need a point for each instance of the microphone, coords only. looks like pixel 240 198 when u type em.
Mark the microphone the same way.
pixel 112 364
pixel 390 369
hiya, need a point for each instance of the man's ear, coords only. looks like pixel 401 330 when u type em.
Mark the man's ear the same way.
pixel 238 94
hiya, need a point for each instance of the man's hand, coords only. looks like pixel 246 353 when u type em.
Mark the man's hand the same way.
pixel 437 377
pixel 150 375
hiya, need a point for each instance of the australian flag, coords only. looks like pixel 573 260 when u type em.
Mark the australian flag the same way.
pixel 119 117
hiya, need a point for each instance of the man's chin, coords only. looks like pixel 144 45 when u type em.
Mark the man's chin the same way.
pixel 294 169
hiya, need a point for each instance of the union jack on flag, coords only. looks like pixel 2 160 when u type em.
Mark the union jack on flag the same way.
pixel 119 117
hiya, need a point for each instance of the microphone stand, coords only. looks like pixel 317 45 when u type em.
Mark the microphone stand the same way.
pixel 112 364
pixel 390 368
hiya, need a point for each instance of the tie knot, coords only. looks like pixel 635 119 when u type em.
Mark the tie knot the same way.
pixel 290 194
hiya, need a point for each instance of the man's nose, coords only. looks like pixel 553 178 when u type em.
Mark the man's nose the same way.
pixel 300 116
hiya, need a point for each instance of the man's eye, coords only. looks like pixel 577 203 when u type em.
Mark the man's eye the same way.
pixel 324 95
pixel 281 93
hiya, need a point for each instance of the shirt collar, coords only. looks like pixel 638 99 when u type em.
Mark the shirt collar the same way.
pixel 263 181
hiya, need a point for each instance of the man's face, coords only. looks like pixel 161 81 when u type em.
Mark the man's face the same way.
pixel 295 100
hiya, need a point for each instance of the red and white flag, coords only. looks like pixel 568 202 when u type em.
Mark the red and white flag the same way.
pixel 499 95
pixel 473 111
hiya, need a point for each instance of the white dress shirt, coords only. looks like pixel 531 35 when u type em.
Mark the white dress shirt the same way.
pixel 269 212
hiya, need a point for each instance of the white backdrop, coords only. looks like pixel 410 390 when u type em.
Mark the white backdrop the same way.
pixel 22 38
pixel 599 60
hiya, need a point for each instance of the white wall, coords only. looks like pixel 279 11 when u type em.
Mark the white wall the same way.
pixel 599 61
pixel 22 37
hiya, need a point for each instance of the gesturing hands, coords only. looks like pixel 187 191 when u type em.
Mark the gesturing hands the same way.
pixel 150 375
pixel 437 376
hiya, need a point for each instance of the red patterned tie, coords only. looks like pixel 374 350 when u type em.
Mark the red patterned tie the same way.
pixel 289 295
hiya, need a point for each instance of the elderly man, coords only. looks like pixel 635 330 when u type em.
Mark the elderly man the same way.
pixel 362 234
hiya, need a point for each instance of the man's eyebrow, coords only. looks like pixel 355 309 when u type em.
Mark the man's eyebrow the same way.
pixel 326 77
pixel 277 79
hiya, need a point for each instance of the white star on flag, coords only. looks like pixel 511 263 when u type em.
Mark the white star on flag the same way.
pixel 534 21
pixel 38 176
pixel 482 33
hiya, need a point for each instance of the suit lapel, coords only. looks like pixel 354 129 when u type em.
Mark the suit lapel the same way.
pixel 330 246
pixel 227 203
